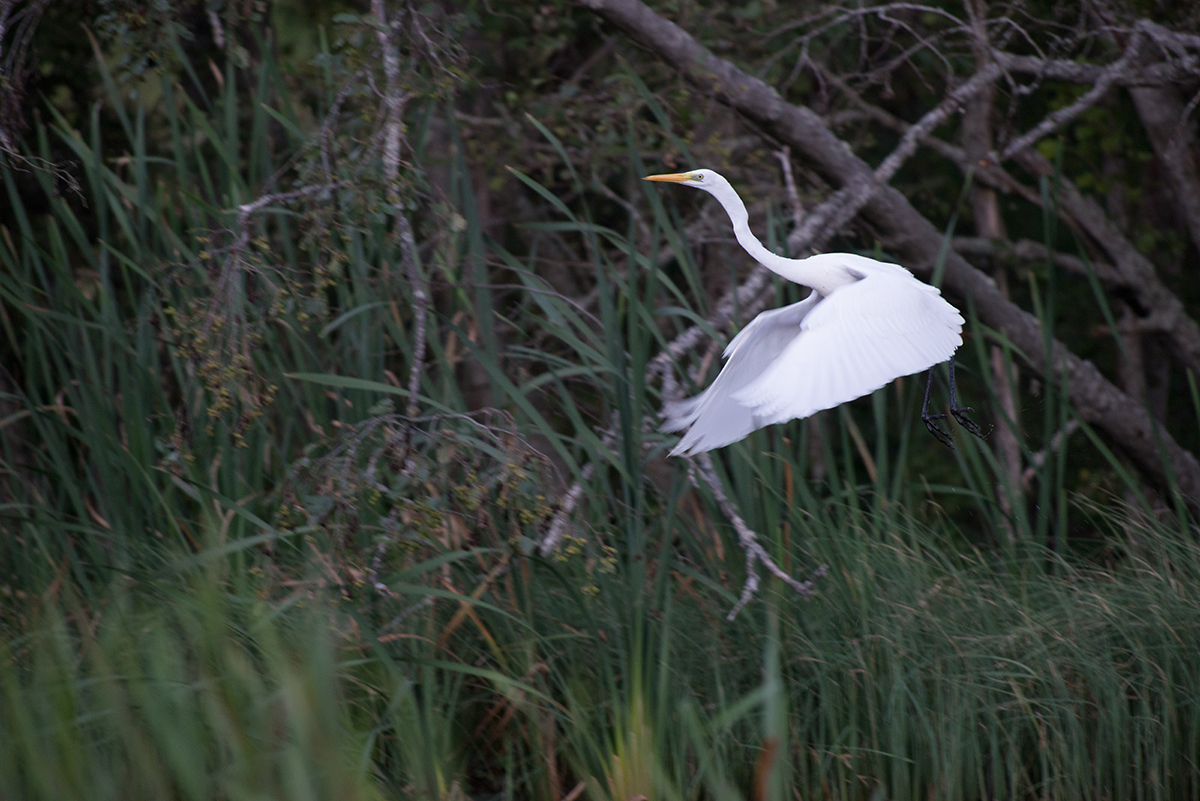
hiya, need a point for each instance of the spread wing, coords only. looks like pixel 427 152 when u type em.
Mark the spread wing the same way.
pixel 714 417
pixel 853 342
pixel 817 354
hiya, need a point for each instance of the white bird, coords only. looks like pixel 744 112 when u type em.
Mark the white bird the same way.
pixel 865 323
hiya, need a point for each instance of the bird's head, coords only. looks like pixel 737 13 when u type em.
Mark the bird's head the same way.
pixel 707 180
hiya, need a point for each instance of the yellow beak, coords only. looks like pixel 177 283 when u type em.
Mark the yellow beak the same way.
pixel 673 177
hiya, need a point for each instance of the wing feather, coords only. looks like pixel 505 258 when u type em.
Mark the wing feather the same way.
pixel 819 353
pixel 855 341
pixel 714 417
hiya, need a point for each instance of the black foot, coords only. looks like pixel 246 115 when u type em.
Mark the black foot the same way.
pixel 940 434
pixel 970 425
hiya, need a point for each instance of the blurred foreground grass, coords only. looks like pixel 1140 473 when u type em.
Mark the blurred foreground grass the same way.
pixel 912 674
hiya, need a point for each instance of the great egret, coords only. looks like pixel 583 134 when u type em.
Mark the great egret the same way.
pixel 865 323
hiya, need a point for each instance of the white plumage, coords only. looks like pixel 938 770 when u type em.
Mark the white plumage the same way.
pixel 866 323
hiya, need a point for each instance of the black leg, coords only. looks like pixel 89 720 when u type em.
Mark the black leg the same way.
pixel 959 412
pixel 933 428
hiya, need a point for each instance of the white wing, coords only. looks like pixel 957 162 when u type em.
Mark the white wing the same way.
pixel 855 341
pixel 715 418
pixel 817 354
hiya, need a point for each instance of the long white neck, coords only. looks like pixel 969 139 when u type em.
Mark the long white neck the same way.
pixel 821 273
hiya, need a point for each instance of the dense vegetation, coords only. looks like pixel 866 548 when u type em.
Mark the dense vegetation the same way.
pixel 256 540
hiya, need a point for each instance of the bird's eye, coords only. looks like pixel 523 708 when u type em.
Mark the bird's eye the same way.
pixel 697 176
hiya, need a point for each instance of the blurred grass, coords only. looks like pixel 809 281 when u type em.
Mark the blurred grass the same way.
pixel 205 694
pixel 231 569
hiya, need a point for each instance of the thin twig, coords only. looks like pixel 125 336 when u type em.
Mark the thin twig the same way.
pixel 223 289
pixel 558 526
pixel 1058 118
pixel 327 126
pixel 417 607
pixel 701 467
pixel 1039 458
pixel 246 210
pixel 784 154
pixel 931 119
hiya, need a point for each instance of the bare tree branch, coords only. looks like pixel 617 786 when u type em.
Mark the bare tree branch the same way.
pixel 1038 459
pixel 1028 250
pixel 1075 72
pixel 395 100
pixel 1165 119
pixel 570 499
